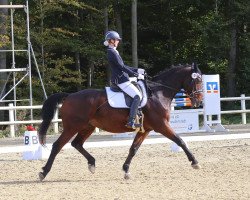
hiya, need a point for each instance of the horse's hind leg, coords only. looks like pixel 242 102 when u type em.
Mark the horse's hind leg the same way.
pixel 56 147
pixel 139 138
pixel 78 144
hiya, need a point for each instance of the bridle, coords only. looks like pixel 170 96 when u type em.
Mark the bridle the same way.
pixel 196 92
pixel 196 80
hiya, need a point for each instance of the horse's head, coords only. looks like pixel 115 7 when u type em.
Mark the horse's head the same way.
pixel 193 86
pixel 181 77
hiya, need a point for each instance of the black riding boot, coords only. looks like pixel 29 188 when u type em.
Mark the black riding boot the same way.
pixel 133 111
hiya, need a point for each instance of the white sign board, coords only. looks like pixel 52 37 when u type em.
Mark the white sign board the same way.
pixel 211 100
pixel 33 150
pixel 183 121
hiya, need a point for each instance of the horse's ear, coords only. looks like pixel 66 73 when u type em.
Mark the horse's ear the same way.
pixel 194 67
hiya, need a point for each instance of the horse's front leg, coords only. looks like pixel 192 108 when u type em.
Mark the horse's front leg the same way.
pixel 182 144
pixel 166 130
pixel 139 138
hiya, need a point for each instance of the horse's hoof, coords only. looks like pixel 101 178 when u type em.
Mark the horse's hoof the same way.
pixel 127 176
pixel 196 166
pixel 41 176
pixel 92 168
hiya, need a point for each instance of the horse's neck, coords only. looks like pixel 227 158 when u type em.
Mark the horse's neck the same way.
pixel 167 85
pixel 164 94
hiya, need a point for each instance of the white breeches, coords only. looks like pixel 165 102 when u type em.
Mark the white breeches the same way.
pixel 130 89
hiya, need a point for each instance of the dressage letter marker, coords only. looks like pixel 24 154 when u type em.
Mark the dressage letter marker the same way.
pixel 26 140
pixel 34 140
pixel 33 150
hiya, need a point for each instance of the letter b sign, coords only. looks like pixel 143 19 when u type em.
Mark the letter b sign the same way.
pixel 30 139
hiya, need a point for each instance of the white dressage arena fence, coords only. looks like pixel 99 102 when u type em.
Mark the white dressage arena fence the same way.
pixel 32 149
pixel 119 143
pixel 12 121
pixel 179 119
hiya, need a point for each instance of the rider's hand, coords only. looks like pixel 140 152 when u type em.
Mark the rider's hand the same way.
pixel 140 77
pixel 141 71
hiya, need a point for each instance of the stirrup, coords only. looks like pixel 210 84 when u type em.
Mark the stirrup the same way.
pixel 130 125
pixel 133 125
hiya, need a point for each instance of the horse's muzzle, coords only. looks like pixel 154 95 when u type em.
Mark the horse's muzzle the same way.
pixel 197 101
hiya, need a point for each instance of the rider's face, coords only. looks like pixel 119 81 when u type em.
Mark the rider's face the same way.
pixel 115 42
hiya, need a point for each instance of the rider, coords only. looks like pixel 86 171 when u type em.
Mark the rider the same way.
pixel 120 74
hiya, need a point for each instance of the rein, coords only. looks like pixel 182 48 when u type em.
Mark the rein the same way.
pixel 191 95
pixel 166 86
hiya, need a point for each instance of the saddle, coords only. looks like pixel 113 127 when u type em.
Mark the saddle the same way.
pixel 119 99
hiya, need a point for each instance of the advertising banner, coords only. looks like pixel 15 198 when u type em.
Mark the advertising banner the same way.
pixel 183 121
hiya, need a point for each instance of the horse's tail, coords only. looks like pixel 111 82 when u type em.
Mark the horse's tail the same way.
pixel 48 112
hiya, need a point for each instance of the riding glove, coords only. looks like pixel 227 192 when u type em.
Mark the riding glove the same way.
pixel 140 77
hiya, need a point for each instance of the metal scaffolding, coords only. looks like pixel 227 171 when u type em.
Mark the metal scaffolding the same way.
pixel 13 70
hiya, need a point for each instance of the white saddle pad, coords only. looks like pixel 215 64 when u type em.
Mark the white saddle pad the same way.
pixel 117 100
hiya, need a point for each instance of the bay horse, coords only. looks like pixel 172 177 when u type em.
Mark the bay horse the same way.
pixel 83 111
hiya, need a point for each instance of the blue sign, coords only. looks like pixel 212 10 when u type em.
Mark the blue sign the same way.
pixel 212 87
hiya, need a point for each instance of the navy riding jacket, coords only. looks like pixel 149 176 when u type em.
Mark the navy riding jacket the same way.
pixel 120 72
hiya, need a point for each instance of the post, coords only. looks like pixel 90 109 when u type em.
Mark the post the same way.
pixel 243 107
pixel 29 58
pixel 12 119
pixel 13 53
pixel 56 123
pixel 210 118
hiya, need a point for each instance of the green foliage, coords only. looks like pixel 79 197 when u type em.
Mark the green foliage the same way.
pixel 233 119
pixel 67 37
pixel 169 32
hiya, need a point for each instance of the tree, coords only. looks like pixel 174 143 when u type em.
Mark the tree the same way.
pixel 238 13
pixel 134 32
pixel 3 38
pixel 71 47
pixel 67 38
pixel 106 29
